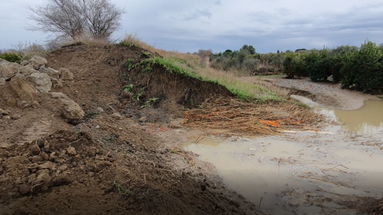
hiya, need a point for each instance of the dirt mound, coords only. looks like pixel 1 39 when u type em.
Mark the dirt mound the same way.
pixel 102 80
pixel 71 173
pixel 169 84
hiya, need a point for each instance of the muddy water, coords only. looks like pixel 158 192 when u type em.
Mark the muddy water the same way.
pixel 304 172
pixel 366 120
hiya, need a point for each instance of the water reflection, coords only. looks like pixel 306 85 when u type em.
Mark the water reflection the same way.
pixel 366 120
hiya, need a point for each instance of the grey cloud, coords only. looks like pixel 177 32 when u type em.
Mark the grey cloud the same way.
pixel 198 14
pixel 225 24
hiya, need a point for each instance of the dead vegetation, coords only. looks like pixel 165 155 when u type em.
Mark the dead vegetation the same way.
pixel 232 116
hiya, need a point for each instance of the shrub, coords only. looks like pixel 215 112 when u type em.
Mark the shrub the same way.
pixel 293 65
pixel 318 65
pixel 363 70
pixel 11 57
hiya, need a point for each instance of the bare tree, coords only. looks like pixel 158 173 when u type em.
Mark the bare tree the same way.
pixel 60 16
pixel 102 18
pixel 75 18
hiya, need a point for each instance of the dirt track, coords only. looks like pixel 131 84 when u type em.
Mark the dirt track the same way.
pixel 330 95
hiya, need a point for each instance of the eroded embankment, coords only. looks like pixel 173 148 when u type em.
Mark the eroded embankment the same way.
pixel 78 148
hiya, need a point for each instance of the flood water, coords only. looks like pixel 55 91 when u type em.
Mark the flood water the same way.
pixel 305 172
pixel 367 120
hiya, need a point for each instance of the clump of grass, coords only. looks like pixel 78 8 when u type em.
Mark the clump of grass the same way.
pixel 190 65
pixel 242 90
pixel 11 57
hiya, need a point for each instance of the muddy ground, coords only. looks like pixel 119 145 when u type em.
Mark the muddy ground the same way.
pixel 327 94
pixel 118 159
pixel 334 169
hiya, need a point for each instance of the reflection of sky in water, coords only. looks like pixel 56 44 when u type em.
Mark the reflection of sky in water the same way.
pixel 367 120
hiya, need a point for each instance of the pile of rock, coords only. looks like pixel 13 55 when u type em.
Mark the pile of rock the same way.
pixel 21 84
pixel 36 71
pixel 60 159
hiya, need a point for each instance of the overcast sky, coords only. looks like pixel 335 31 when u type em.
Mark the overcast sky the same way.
pixel 189 25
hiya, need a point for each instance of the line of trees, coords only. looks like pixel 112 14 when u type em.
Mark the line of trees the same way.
pixel 97 19
pixel 355 68
pixel 247 60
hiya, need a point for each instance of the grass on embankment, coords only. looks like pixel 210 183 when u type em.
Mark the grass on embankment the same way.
pixel 189 65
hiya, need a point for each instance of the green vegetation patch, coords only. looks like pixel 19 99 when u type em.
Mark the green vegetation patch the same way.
pixel 240 90
pixel 355 68
pixel 11 57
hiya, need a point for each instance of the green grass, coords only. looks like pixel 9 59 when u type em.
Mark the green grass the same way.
pixel 242 90
pixel 11 57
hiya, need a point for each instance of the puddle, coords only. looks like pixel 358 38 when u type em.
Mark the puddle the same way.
pixel 366 120
pixel 303 172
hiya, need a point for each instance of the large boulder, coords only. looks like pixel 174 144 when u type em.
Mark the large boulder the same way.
pixel 51 72
pixel 8 69
pixel 70 110
pixel 42 81
pixel 18 92
pixel 25 71
pixel 37 62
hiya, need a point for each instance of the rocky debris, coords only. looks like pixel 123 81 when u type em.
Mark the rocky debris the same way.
pixel 70 109
pixel 37 62
pixel 116 116
pixel 65 74
pixel 42 82
pixel 56 160
pixel 36 71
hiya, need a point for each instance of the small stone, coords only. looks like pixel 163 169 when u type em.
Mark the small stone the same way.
pixel 117 116
pixel 66 75
pixel 98 127
pixel 43 177
pixel 56 83
pixel 4 112
pixel 24 63
pixel 53 156
pixel 35 149
pixel 71 151
pixel 62 180
pixel 15 116
pixel 63 168
pixel 44 156
pixel 142 119
pixel 100 110
pixel 47 165
pixel 36 159
pixel 24 189
pixel 7 117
